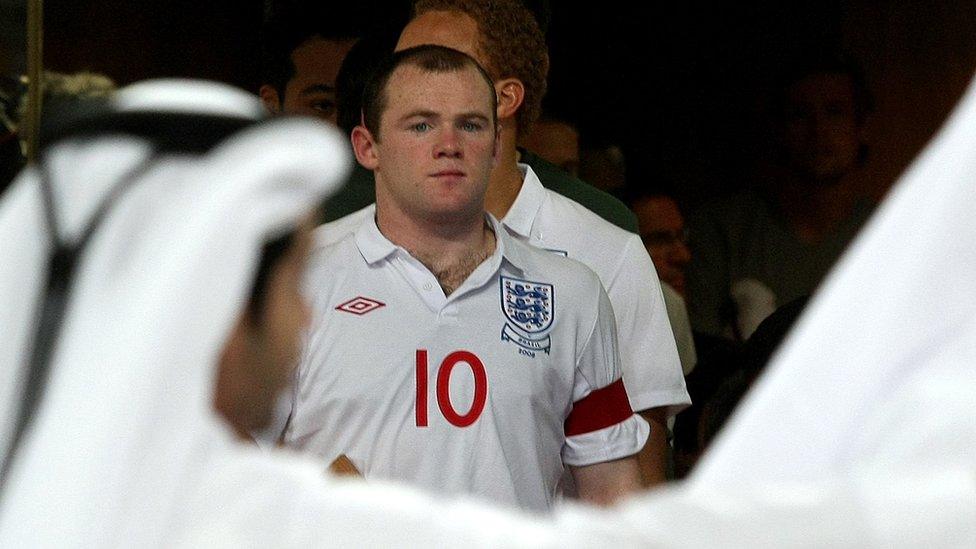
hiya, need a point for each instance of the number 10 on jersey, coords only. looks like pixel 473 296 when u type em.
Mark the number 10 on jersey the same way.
pixel 444 372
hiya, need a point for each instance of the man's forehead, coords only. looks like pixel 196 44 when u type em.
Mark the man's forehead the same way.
pixel 413 88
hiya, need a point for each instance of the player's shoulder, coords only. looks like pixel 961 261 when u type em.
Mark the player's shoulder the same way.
pixel 585 236
pixel 334 231
pixel 334 246
pixel 571 214
pixel 552 266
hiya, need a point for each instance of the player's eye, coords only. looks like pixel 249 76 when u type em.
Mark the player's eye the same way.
pixel 470 126
pixel 324 107
pixel 421 127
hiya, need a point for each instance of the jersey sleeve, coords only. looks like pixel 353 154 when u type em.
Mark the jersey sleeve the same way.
pixel 601 426
pixel 648 355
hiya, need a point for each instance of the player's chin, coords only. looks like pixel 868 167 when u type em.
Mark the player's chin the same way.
pixel 455 212
pixel 455 201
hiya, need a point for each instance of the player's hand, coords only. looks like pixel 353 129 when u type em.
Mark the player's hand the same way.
pixel 343 467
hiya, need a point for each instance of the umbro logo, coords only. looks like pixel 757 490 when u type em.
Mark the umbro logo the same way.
pixel 360 305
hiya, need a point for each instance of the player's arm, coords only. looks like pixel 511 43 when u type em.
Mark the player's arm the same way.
pixel 607 482
pixel 650 362
pixel 652 459
pixel 344 467
pixel 603 434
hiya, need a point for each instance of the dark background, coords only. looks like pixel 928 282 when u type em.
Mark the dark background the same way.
pixel 682 87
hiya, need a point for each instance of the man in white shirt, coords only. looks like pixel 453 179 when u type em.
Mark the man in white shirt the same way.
pixel 443 351
pixel 546 219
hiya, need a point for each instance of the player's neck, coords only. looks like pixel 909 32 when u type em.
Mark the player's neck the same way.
pixel 451 248
pixel 506 178
pixel 452 271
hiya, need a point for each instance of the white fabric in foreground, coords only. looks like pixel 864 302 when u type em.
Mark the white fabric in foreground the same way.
pixel 125 430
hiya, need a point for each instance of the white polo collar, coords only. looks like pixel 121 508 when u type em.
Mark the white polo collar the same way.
pixel 524 210
pixel 375 247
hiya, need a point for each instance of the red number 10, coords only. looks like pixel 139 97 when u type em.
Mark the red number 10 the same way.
pixel 443 388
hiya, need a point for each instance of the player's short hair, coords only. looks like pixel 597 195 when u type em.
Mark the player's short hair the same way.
pixel 512 43
pixel 430 58
pixel 357 68
pixel 293 24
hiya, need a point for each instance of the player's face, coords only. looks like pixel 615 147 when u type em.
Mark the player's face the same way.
pixel 262 352
pixel 663 231
pixel 823 135
pixel 312 90
pixel 436 145
pixel 450 29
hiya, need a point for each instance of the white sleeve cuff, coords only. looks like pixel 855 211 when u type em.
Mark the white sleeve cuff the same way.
pixel 614 442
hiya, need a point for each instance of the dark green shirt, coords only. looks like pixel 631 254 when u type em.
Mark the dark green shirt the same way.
pixel 359 192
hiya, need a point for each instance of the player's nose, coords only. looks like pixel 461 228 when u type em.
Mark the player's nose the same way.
pixel 448 144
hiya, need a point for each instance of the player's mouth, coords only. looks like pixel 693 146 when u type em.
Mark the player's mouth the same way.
pixel 448 175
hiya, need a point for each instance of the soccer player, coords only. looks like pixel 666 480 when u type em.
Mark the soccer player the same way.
pixel 539 204
pixel 443 351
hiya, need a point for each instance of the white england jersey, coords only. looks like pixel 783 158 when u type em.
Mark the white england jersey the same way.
pixel 488 391
pixel 545 219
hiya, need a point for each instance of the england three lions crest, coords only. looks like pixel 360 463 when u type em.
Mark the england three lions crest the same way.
pixel 528 308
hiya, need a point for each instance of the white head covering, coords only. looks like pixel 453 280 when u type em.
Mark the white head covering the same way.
pixel 125 421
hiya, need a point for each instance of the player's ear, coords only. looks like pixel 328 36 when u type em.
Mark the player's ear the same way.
pixel 511 95
pixel 364 145
pixel 269 96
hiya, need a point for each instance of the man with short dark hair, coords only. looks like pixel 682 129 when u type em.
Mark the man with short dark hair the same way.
pixel 529 196
pixel 428 299
pixel 509 26
pixel 302 53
